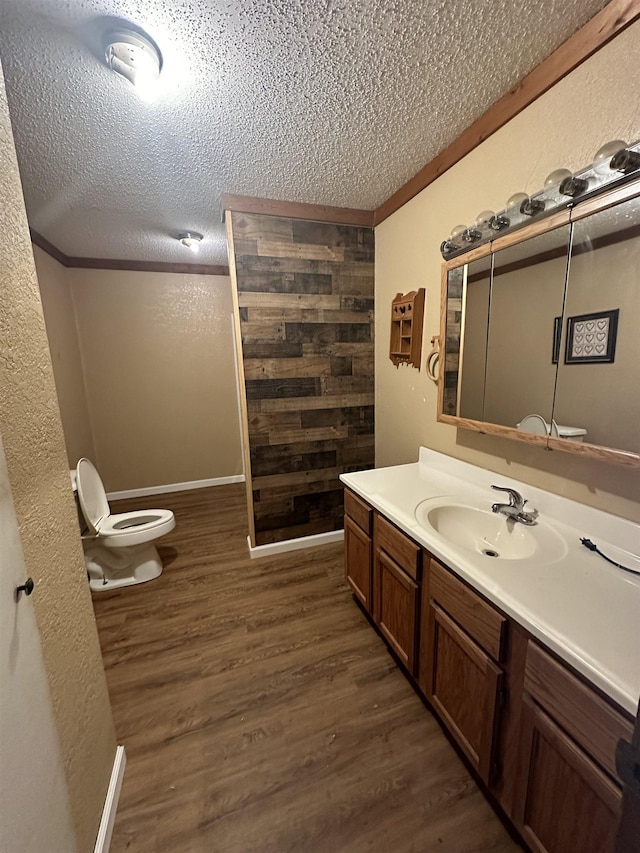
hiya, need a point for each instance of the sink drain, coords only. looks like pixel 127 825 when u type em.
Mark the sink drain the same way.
pixel 489 552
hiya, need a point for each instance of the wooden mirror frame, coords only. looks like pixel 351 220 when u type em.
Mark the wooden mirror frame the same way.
pixel 557 220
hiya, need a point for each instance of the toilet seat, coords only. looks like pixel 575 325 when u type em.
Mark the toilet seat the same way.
pixel 121 530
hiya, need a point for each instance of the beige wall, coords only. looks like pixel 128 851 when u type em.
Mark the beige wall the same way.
pixel 62 334
pixel 599 101
pixel 158 360
pixel 34 446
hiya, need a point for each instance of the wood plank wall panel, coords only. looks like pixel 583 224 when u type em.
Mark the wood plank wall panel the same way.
pixel 452 345
pixel 305 298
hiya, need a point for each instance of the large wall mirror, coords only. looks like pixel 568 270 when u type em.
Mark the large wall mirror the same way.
pixel 540 332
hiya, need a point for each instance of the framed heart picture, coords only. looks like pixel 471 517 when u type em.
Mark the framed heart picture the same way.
pixel 591 338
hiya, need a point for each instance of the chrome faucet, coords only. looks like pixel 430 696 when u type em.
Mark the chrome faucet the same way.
pixel 515 508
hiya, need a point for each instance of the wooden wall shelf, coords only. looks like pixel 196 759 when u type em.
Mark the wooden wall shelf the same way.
pixel 407 313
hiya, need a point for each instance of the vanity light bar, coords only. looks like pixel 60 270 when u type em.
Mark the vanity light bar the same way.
pixel 614 164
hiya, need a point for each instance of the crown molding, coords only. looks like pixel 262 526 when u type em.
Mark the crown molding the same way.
pixel 297 210
pixel 114 264
pixel 42 243
pixel 604 26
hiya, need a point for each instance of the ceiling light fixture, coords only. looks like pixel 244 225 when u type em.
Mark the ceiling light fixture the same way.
pixel 135 56
pixel 190 239
pixel 615 164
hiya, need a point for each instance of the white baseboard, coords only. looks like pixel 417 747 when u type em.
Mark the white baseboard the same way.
pixel 294 544
pixel 175 487
pixel 103 841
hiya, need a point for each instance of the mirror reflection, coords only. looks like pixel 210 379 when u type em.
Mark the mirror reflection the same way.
pixel 598 372
pixel 527 294
pixel 541 336
pixel 453 324
pixel 473 345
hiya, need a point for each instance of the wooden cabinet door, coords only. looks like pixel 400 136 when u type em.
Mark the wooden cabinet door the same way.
pixel 397 608
pixel 564 801
pixel 463 685
pixel 628 765
pixel 357 562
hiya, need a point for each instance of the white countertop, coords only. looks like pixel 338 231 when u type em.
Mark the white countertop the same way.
pixel 583 608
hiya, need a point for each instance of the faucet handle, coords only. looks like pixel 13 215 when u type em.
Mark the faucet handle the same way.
pixel 515 498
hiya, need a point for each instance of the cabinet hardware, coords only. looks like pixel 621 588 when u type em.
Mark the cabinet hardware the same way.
pixel 26 587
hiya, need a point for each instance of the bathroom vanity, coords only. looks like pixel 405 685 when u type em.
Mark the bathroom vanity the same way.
pixel 524 643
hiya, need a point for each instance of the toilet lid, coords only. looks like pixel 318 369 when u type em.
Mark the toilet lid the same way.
pixel 91 494
pixel 569 431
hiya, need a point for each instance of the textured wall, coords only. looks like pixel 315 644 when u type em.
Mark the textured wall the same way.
pixel 57 307
pixel 305 295
pixel 160 377
pixel 36 460
pixel 260 97
pixel 602 97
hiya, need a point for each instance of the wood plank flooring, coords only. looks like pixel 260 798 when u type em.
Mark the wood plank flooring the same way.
pixel 262 714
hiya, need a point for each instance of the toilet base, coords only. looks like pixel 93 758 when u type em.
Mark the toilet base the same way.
pixel 110 568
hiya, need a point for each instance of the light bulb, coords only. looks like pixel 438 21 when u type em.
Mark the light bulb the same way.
pixel 602 160
pixel 136 57
pixel 556 178
pixel 457 232
pixel 146 87
pixel 483 219
pixel 516 200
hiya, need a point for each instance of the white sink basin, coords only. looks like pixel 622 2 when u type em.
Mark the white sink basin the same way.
pixel 489 534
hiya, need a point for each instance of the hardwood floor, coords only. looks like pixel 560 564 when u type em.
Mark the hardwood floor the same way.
pixel 262 714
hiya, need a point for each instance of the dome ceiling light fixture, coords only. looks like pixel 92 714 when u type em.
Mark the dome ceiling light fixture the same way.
pixel 190 239
pixel 135 56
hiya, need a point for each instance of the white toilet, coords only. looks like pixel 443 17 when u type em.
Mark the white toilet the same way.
pixel 118 549
pixel 538 425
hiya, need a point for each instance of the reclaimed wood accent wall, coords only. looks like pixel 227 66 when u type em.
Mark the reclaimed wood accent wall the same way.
pixel 305 300
pixel 452 341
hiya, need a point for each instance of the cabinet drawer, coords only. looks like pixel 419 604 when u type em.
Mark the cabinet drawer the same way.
pixel 359 511
pixel 480 620
pixel 404 551
pixel 588 718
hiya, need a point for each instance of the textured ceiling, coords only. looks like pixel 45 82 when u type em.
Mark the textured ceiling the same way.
pixel 333 102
